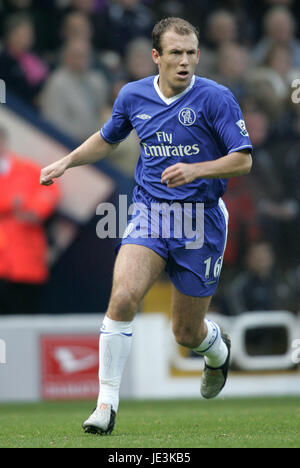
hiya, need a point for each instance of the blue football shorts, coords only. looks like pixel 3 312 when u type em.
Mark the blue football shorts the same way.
pixel 190 237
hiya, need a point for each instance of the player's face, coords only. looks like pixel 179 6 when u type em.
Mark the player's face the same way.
pixel 177 63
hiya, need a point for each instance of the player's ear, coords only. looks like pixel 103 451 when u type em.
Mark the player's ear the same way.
pixel 198 55
pixel 155 56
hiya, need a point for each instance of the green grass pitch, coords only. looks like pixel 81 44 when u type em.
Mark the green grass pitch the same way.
pixel 255 422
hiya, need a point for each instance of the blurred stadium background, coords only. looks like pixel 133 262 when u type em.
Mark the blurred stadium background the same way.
pixel 62 63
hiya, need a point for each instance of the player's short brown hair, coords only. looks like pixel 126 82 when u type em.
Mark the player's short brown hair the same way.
pixel 179 25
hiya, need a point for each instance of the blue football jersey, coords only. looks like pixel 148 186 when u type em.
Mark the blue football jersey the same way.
pixel 203 123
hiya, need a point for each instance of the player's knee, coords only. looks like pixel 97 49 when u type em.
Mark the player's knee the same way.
pixel 187 337
pixel 123 305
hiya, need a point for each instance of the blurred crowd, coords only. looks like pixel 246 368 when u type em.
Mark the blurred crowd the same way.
pixel 69 58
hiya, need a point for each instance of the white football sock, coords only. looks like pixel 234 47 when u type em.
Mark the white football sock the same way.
pixel 213 348
pixel 114 348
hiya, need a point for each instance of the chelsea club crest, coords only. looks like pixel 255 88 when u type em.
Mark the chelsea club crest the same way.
pixel 187 116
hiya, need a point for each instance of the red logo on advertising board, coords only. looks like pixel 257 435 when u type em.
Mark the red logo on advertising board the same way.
pixel 69 367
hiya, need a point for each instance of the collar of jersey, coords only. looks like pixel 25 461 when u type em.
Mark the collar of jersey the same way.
pixel 172 99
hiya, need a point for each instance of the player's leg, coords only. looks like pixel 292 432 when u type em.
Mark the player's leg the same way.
pixel 136 269
pixel 194 331
pixel 195 273
pixel 188 318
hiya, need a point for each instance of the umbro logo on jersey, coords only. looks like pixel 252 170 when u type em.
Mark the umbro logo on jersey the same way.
pixel 144 116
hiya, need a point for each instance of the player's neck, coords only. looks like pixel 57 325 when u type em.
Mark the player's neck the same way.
pixel 169 91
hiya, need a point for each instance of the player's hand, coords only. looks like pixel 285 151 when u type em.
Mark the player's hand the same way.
pixel 178 174
pixel 53 171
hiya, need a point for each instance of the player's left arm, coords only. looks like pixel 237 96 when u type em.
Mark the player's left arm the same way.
pixel 232 165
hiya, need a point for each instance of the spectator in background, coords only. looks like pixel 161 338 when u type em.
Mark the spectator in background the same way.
pixel 272 80
pixel 258 126
pixel 232 67
pixel 221 28
pixel 244 226
pixel 259 287
pixel 274 181
pixel 100 4
pixel 18 4
pixel 76 25
pixel 76 21
pixel 278 65
pixel 75 94
pixel 80 16
pixel 269 91
pixel 22 70
pixel 279 59
pixel 121 22
pixel 24 206
pixel 11 7
pixel 138 59
pixel 44 16
pixel 279 29
pixel 87 6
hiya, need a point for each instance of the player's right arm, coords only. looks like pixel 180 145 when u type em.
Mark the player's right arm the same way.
pixel 98 145
pixel 91 151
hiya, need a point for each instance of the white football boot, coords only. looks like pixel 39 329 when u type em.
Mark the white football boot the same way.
pixel 101 421
pixel 214 379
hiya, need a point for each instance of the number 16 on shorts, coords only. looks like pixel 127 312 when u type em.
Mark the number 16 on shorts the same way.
pixel 213 269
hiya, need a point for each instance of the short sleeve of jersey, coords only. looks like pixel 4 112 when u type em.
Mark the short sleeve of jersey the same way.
pixel 228 122
pixel 118 127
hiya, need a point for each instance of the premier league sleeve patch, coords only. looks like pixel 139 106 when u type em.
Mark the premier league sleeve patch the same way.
pixel 241 124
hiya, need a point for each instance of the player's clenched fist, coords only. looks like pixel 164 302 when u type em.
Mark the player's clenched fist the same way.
pixel 53 171
pixel 178 174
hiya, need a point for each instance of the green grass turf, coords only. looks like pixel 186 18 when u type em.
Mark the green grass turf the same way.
pixel 261 422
